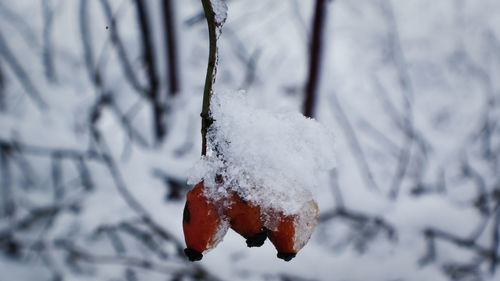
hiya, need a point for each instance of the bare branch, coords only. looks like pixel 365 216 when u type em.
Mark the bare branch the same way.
pixel 114 238
pixel 35 215
pixel 19 23
pixel 88 54
pixel 495 243
pixel 344 213
pixel 398 119
pixel 177 186
pixel 144 237
pixel 51 265
pixel 47 151
pixel 122 53
pixel 376 134
pixel 337 192
pixel 84 173
pixel 405 84
pixel 18 70
pixel 431 234
pixel 195 271
pixel 48 57
pixel 127 123
pixel 57 177
pixel 8 206
pixel 248 59
pixel 82 255
pixel 155 97
pixel 106 97
pixel 353 142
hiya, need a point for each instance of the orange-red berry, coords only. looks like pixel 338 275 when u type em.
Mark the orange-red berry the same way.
pixel 202 224
pixel 293 231
pixel 245 219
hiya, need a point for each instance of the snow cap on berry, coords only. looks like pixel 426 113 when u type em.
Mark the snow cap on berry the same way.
pixel 272 159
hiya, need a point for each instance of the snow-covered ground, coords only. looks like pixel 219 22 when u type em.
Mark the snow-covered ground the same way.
pixel 410 90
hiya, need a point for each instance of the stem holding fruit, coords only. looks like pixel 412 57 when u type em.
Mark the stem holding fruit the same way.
pixel 206 119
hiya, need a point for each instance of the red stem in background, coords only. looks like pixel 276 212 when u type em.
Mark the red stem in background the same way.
pixel 169 29
pixel 314 59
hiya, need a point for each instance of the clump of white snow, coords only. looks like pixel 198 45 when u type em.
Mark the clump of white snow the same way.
pixel 220 10
pixel 271 159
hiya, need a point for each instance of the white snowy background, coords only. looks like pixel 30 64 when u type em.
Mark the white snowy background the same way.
pixel 411 89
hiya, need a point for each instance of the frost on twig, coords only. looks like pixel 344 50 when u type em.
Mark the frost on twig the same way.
pixel 215 13
pixel 220 11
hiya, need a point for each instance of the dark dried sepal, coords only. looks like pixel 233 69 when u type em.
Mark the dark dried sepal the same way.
pixel 193 255
pixel 286 256
pixel 257 240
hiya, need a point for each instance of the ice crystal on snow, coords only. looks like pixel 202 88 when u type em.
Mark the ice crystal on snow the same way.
pixel 271 159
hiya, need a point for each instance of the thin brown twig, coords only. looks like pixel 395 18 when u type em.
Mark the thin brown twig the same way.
pixel 206 119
